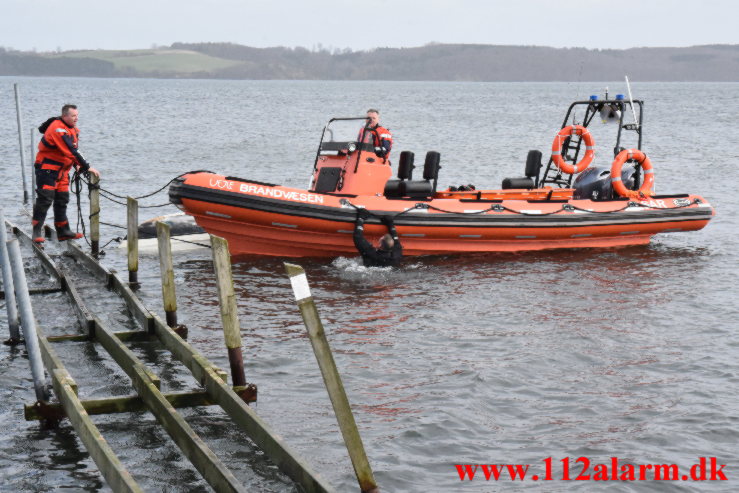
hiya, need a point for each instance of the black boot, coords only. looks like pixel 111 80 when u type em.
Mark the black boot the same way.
pixel 64 233
pixel 38 232
pixel 44 199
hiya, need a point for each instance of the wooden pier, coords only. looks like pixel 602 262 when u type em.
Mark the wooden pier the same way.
pixel 214 390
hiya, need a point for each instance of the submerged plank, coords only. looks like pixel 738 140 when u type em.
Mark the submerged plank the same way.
pixel 115 474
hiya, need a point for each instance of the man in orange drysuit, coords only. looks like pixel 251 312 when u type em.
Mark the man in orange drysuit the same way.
pixel 57 153
pixel 377 135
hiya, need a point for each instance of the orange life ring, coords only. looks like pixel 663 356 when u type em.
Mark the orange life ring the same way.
pixel 646 165
pixel 565 133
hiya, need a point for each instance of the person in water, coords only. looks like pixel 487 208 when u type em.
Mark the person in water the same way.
pixel 390 251
pixel 377 135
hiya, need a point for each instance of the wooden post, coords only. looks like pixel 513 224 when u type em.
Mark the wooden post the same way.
pixel 95 214
pixel 10 306
pixel 132 241
pixel 167 272
pixel 20 141
pixel 331 378
pixel 229 314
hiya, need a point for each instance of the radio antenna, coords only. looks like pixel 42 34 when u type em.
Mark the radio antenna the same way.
pixel 631 100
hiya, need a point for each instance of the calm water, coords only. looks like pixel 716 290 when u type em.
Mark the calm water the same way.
pixel 628 353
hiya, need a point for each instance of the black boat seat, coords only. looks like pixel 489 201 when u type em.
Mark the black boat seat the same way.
pixel 526 182
pixel 419 189
pixel 393 189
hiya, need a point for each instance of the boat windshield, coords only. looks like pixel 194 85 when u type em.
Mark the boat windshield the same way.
pixel 344 135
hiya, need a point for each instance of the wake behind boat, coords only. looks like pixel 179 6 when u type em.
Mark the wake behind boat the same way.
pixel 570 205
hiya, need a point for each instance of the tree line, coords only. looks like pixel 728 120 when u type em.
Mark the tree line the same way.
pixel 433 62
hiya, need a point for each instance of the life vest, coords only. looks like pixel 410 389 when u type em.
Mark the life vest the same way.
pixel 376 136
pixel 53 152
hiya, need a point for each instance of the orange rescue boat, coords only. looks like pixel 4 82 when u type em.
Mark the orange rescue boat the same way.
pixel 604 207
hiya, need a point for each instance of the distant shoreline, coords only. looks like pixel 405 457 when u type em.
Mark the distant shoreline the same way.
pixel 434 62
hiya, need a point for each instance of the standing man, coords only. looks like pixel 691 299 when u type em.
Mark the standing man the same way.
pixel 377 135
pixel 57 153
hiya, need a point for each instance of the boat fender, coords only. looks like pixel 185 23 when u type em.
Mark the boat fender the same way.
pixel 405 165
pixel 567 133
pixel 618 186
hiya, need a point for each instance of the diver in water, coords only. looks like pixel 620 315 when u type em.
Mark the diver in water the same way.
pixel 390 251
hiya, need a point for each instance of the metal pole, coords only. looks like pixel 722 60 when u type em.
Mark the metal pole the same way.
pixel 132 241
pixel 94 214
pixel 332 379
pixel 28 322
pixel 20 142
pixel 229 314
pixel 33 168
pixel 12 309
pixel 167 272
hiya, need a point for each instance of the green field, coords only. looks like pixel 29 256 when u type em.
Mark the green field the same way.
pixel 155 60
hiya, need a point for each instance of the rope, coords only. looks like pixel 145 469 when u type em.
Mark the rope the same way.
pixel 76 180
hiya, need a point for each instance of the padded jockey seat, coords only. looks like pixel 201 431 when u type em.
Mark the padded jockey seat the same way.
pixel 533 165
pixel 419 189
pixel 393 189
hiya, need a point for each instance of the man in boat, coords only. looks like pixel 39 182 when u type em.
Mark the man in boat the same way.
pixel 390 251
pixel 57 153
pixel 377 135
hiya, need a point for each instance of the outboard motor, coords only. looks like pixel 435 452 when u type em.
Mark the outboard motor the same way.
pixel 595 182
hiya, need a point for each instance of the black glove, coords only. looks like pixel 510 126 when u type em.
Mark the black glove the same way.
pixel 387 220
pixel 363 214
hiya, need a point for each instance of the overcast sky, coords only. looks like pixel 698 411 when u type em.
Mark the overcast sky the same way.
pixel 47 25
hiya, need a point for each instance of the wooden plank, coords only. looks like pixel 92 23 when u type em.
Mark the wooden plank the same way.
pixel 245 418
pixel 48 264
pixel 49 356
pixel 139 312
pixel 126 335
pixel 211 377
pixel 83 314
pixel 115 474
pixel 36 291
pixel 89 262
pixel 111 405
pixel 120 353
pixel 260 433
pixel 204 460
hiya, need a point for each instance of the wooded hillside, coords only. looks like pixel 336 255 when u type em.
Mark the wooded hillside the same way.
pixel 435 62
